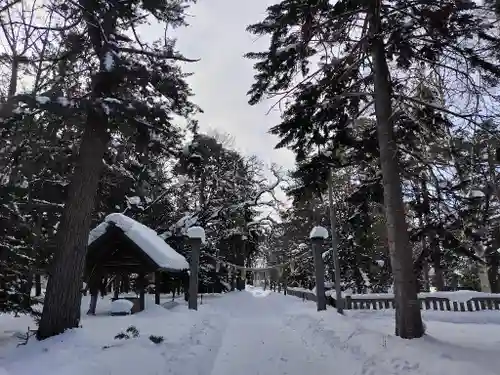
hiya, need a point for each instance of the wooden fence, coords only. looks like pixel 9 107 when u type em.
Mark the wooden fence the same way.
pixel 428 303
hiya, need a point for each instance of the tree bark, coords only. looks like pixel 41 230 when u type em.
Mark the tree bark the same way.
pixel 425 271
pixel 436 263
pixel 61 309
pixel 408 317
pixel 335 253
pixel 483 278
pixel 28 285
pixel 38 284
pixel 493 265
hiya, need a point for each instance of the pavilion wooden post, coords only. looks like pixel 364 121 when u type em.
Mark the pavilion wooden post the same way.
pixel 126 283
pixel 319 268
pixel 116 286
pixel 142 291
pixel 157 287
pixel 94 283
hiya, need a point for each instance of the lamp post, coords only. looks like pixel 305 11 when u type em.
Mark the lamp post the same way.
pixel 196 239
pixel 318 235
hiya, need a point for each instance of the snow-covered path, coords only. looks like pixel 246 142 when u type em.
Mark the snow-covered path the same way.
pixel 247 333
pixel 258 341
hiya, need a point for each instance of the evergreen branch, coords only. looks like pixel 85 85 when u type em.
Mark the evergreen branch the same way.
pixel 155 54
pixel 467 117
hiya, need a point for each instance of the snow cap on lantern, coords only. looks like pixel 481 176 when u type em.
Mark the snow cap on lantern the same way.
pixel 196 233
pixel 318 232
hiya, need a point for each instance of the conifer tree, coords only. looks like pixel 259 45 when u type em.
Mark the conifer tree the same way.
pixel 333 62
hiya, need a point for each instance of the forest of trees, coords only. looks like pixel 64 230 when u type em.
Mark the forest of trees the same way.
pixel 397 99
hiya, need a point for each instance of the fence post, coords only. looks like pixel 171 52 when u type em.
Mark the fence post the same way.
pixel 348 302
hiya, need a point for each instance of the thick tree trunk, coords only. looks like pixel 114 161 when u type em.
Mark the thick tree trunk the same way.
pixel 61 309
pixel 408 317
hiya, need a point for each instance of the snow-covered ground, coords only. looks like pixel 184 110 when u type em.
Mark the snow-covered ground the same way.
pixel 257 332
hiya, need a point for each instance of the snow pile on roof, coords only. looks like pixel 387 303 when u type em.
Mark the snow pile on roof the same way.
pixel 319 232
pixel 196 232
pixel 121 306
pixel 146 238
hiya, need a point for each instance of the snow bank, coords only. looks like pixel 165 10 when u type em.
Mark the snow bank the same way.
pixel 146 238
pixel 196 232
pixel 121 306
pixel 93 348
pixel 368 337
pixel 319 232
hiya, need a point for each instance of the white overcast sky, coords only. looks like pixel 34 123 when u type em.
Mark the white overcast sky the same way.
pixel 221 79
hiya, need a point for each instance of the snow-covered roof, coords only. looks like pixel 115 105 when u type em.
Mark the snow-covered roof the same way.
pixel 145 238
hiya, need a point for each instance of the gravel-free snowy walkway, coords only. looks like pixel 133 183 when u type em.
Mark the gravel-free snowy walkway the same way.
pixel 258 341
pixel 257 333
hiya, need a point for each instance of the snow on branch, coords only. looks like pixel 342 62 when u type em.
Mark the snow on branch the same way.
pixel 204 216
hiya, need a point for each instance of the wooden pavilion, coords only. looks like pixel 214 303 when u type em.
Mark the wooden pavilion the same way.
pixel 120 247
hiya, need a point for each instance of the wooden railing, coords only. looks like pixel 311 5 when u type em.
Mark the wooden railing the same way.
pixel 428 303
